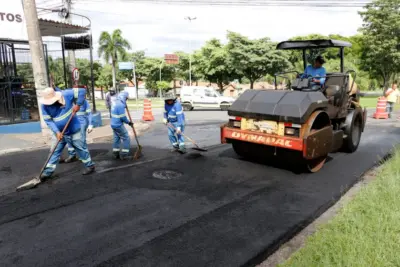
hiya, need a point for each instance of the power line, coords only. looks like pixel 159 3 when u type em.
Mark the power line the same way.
pixel 278 3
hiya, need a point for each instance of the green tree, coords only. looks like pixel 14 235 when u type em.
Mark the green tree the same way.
pixel 381 30
pixel 163 85
pixel 85 73
pixel 255 58
pixel 213 63
pixel 56 69
pixel 25 71
pixel 104 79
pixel 181 70
pixel 112 47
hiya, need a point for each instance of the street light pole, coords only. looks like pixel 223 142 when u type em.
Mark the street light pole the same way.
pixel 159 89
pixel 190 54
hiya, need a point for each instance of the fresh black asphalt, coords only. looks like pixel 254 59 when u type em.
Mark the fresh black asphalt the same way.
pixel 210 209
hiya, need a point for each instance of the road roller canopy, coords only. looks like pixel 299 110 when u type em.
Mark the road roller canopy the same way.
pixel 305 45
pixel 311 44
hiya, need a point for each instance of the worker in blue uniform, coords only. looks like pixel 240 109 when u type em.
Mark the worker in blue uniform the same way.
pixel 57 108
pixel 316 72
pixel 173 114
pixel 120 134
pixel 85 118
pixel 111 96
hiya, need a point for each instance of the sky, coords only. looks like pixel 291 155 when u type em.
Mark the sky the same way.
pixel 161 28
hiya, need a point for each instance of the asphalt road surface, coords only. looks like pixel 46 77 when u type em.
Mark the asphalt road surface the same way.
pixel 209 209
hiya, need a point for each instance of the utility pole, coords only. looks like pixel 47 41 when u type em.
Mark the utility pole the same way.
pixel 37 54
pixel 190 53
pixel 71 53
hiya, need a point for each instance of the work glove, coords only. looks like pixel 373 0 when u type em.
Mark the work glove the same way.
pixel 165 121
pixel 130 124
pixel 178 130
pixel 90 129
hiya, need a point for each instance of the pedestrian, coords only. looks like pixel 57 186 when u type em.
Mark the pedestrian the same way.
pixel 173 114
pixel 85 118
pixel 57 108
pixel 120 134
pixel 111 96
pixel 391 95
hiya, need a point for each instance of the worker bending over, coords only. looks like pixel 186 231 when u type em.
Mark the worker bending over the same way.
pixel 173 114
pixel 120 134
pixel 85 118
pixel 57 108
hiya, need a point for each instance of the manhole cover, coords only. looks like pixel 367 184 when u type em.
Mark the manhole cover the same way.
pixel 166 175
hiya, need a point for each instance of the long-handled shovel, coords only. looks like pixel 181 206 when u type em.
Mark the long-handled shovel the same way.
pixel 139 148
pixel 191 140
pixel 36 180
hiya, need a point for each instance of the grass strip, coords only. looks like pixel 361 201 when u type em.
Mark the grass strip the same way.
pixel 365 232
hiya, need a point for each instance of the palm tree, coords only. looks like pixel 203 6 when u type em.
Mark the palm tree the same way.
pixel 113 47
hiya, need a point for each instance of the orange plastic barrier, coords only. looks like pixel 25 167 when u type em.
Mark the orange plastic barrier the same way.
pixel 381 109
pixel 147 111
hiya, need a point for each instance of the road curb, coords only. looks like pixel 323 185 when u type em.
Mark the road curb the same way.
pixel 139 130
pixel 105 138
pixel 16 150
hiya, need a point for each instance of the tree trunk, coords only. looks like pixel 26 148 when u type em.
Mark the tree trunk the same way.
pixel 102 93
pixel 221 87
pixel 114 74
pixel 251 84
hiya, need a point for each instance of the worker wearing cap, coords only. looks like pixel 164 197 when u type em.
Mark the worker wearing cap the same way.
pixel 317 72
pixel 85 118
pixel 120 134
pixel 57 108
pixel 173 114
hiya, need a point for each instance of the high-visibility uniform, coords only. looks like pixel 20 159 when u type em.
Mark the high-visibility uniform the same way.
pixel 85 118
pixel 56 117
pixel 110 99
pixel 174 115
pixel 118 119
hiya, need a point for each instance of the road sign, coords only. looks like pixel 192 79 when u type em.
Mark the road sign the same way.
pixel 126 65
pixel 171 59
pixel 75 74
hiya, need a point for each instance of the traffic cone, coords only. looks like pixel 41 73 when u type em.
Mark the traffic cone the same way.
pixel 147 111
pixel 381 109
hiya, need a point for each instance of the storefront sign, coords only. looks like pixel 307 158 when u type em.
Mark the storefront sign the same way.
pixel 12 20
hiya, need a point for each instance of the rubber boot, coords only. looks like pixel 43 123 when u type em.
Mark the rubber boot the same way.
pixel 88 170
pixel 70 159
pixel 182 149
pixel 126 157
pixel 45 177
pixel 115 155
pixel 174 149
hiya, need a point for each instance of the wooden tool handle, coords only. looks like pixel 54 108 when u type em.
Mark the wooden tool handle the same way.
pixel 188 138
pixel 58 141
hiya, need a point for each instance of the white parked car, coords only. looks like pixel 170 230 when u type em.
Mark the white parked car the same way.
pixel 203 97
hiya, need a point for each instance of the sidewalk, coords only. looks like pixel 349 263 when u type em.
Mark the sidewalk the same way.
pixel 17 142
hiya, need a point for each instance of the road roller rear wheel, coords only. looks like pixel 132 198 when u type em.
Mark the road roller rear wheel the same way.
pixel 243 149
